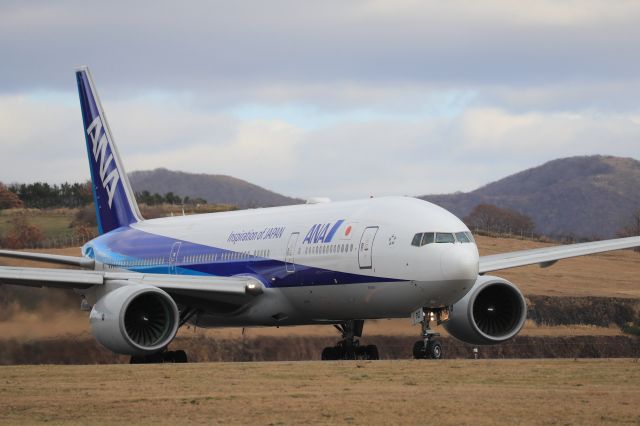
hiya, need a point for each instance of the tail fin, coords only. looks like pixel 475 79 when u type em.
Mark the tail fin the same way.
pixel 112 194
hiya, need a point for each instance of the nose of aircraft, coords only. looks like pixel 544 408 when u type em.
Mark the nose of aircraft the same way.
pixel 460 262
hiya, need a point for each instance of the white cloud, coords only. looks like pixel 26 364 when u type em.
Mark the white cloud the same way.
pixel 395 154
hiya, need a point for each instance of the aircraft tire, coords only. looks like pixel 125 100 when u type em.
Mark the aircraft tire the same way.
pixel 137 360
pixel 371 352
pixel 180 357
pixel 329 354
pixel 418 350
pixel 434 349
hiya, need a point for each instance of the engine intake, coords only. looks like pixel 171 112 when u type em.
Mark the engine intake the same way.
pixel 135 320
pixel 492 312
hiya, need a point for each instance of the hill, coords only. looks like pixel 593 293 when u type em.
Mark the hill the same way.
pixel 591 196
pixel 218 189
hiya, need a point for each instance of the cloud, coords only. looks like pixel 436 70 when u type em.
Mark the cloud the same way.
pixel 339 99
pixel 212 45
pixel 379 156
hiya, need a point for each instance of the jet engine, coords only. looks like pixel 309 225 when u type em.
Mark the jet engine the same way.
pixel 492 312
pixel 135 320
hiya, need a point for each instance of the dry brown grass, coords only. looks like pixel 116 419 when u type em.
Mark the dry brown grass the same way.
pixel 382 392
pixel 45 323
pixel 25 325
pixel 612 274
pixel 389 327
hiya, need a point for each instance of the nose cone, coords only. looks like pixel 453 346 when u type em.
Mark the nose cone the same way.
pixel 460 262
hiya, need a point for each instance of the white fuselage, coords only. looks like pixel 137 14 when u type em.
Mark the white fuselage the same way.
pixel 318 263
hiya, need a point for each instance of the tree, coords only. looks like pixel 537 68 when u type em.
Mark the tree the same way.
pixel 22 233
pixel 490 218
pixel 171 198
pixel 8 199
pixel 41 195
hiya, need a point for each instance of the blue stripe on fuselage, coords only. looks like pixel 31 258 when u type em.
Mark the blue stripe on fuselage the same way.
pixel 333 230
pixel 130 248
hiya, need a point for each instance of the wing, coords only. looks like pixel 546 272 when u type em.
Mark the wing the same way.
pixel 549 255
pixel 209 287
pixel 82 262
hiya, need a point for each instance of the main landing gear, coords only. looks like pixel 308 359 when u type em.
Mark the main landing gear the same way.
pixel 429 347
pixel 177 357
pixel 349 347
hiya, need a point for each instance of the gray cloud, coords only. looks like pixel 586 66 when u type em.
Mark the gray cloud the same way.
pixel 175 45
pixel 333 98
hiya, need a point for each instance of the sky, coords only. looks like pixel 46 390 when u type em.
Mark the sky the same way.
pixel 338 99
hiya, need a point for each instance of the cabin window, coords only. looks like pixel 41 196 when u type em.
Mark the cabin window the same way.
pixel 416 239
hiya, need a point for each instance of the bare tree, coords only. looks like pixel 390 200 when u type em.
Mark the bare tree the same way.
pixel 8 199
pixel 22 233
pixel 492 218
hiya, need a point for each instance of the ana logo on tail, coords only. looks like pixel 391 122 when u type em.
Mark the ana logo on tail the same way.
pixel 103 158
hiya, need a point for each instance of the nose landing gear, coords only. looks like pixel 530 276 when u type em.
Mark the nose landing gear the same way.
pixel 349 347
pixel 429 347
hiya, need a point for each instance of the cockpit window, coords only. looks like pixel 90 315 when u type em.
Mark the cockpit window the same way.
pixel 462 237
pixel 427 238
pixel 423 238
pixel 442 237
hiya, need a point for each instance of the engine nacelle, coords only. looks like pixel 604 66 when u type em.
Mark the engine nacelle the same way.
pixel 492 312
pixel 135 320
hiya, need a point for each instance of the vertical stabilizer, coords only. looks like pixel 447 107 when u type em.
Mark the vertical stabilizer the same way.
pixel 112 194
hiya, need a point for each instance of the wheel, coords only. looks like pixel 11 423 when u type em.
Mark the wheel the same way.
pixel 329 354
pixel 137 360
pixel 418 350
pixel 371 352
pixel 434 349
pixel 360 352
pixel 168 356
pixel 180 356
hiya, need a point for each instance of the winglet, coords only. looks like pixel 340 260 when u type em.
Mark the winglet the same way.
pixel 112 194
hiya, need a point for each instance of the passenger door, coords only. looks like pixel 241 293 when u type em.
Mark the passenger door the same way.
pixel 173 257
pixel 290 255
pixel 365 249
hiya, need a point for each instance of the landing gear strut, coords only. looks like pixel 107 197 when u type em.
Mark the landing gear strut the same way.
pixel 349 347
pixel 429 347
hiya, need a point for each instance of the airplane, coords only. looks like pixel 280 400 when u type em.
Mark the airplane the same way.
pixel 333 263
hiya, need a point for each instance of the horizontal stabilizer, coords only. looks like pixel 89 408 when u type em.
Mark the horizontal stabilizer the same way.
pixel 82 262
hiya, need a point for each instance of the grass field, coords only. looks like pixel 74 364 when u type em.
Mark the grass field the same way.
pixel 52 223
pixel 568 392
pixel 55 223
